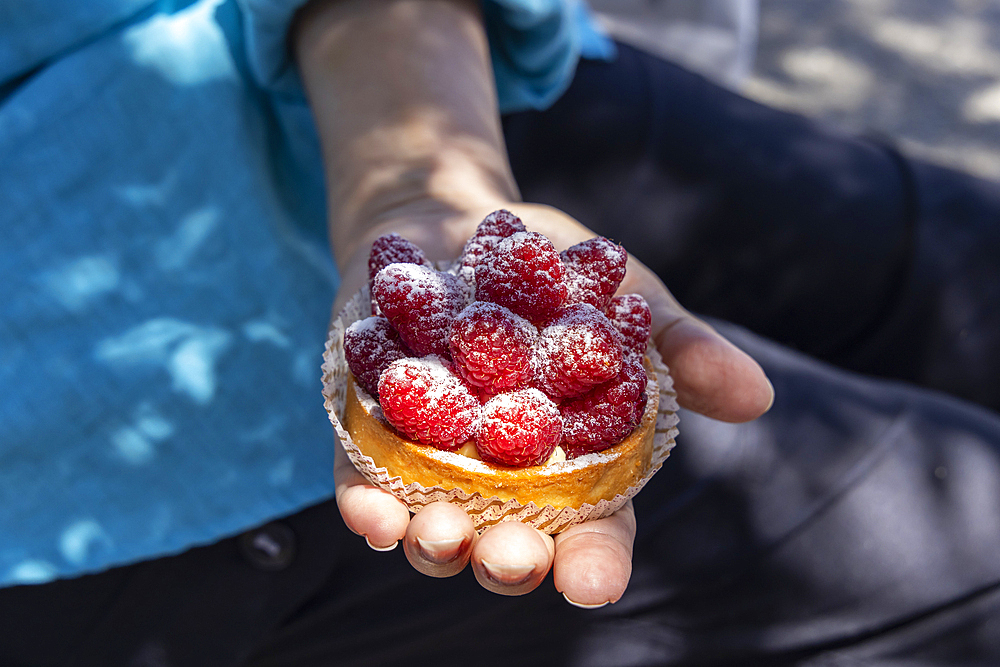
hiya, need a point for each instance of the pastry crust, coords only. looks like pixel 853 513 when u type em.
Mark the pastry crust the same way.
pixel 584 480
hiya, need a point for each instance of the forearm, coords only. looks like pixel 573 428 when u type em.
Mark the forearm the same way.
pixel 404 101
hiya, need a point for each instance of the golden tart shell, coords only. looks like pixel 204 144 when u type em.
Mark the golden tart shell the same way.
pixel 585 480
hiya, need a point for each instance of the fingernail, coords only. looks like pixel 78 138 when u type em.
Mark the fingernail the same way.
pixel 441 551
pixel 585 606
pixel 388 548
pixel 771 387
pixel 508 575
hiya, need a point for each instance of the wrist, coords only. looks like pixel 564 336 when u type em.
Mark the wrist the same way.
pixel 415 172
pixel 439 229
pixel 403 96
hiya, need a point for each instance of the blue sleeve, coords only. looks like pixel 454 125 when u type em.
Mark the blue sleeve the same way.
pixel 534 44
pixel 266 24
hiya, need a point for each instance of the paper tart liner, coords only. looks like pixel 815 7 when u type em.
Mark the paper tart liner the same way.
pixel 485 512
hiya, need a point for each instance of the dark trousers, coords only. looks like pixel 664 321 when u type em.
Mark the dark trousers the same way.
pixel 857 523
pixel 834 245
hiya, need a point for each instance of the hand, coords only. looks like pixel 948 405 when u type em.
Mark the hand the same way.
pixel 591 562
pixel 403 97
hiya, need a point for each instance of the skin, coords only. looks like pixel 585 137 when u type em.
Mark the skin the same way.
pixel 404 101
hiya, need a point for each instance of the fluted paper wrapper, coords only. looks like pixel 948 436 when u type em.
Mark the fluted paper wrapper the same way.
pixel 485 512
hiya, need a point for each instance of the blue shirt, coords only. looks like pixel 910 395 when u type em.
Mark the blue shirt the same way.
pixel 165 282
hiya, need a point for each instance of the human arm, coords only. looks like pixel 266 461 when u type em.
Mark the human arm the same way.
pixel 403 97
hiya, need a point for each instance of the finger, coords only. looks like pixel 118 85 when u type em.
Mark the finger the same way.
pixel 376 515
pixel 711 375
pixel 593 560
pixel 512 558
pixel 439 540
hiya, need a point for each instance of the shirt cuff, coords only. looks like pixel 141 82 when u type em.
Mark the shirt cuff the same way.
pixel 265 32
pixel 534 45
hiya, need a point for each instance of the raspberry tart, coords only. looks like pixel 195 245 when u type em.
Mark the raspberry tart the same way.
pixel 511 381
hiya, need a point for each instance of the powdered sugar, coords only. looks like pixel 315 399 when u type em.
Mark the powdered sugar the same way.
pixel 489 349
pixel 491 231
pixel 430 374
pixel 608 413
pixel 487 511
pixel 492 347
pixel 391 249
pixel 519 429
pixel 426 402
pixel 525 274
pixel 594 269
pixel 578 350
pixel 370 345
pixel 630 315
pixel 372 407
pixel 420 303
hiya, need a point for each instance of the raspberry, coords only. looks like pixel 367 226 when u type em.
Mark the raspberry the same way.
pixel 577 350
pixel 594 269
pixel 494 228
pixel 492 348
pixel 523 273
pixel 607 414
pixel 519 429
pixel 428 403
pixel 420 303
pixel 370 345
pixel 630 314
pixel 392 249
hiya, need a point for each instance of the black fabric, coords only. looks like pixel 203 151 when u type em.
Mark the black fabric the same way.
pixel 857 523
pixel 756 216
pixel 208 606
pixel 831 244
